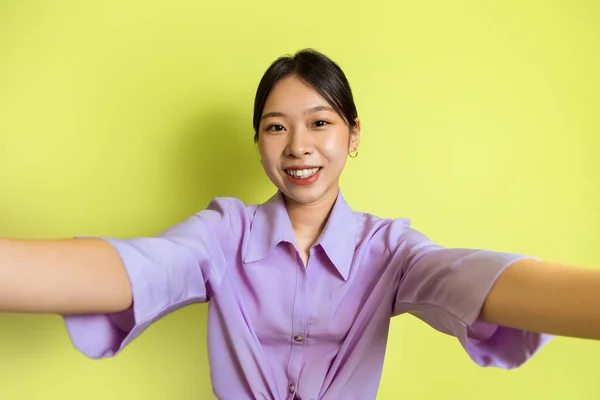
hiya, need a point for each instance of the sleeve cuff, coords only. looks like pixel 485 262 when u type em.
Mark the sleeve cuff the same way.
pixel 490 345
pixel 505 348
pixel 105 335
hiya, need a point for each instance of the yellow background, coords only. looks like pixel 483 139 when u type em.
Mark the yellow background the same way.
pixel 120 118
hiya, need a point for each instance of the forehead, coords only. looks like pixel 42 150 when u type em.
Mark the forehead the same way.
pixel 291 93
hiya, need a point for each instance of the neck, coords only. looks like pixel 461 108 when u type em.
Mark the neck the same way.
pixel 308 220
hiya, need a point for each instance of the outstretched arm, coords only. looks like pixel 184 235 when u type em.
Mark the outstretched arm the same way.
pixel 544 297
pixel 66 276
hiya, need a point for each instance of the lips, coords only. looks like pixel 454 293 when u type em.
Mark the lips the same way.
pixel 302 172
pixel 303 175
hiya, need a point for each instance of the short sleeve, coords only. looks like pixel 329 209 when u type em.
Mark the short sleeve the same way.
pixel 446 288
pixel 166 272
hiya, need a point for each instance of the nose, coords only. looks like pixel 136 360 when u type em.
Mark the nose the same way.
pixel 299 143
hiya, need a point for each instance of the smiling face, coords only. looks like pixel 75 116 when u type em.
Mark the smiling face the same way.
pixel 303 142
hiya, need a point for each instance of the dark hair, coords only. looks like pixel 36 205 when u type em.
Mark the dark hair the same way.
pixel 316 70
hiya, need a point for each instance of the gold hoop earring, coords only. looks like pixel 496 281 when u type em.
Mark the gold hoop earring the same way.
pixel 353 155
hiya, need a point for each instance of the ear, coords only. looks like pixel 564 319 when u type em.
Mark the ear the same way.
pixel 354 137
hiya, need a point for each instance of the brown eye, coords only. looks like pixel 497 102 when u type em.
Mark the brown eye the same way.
pixel 275 128
pixel 320 124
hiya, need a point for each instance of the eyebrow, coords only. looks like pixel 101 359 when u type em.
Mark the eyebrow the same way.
pixel 309 111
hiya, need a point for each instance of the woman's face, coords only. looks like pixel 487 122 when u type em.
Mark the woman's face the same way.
pixel 303 142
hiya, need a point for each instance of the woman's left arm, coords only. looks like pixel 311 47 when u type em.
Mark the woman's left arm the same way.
pixel 544 297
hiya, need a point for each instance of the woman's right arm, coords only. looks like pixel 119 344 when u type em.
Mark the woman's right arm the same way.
pixel 63 276
pixel 111 290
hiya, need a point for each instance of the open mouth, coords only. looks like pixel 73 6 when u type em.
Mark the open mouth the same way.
pixel 302 173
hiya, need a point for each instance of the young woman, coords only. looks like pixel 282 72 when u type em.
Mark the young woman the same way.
pixel 301 288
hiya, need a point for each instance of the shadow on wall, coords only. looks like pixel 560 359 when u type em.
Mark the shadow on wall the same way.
pixel 215 156
pixel 212 155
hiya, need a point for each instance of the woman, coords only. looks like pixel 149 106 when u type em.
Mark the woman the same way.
pixel 301 288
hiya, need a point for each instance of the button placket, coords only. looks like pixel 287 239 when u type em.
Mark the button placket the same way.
pixel 299 321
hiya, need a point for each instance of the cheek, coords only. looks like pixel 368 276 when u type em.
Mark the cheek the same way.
pixel 268 157
pixel 265 153
pixel 335 147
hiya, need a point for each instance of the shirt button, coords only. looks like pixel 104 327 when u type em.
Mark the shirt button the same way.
pixel 298 338
pixel 292 388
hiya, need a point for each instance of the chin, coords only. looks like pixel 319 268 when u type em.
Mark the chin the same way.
pixel 305 195
pixel 302 198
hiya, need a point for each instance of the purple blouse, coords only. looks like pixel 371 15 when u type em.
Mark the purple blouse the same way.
pixel 278 329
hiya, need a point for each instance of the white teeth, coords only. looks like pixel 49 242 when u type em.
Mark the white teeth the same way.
pixel 302 173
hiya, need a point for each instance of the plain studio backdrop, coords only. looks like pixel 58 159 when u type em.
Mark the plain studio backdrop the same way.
pixel 121 118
